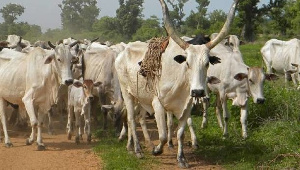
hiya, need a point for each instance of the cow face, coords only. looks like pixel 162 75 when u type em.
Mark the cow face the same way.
pixel 197 63
pixel 87 87
pixel 62 59
pixel 255 79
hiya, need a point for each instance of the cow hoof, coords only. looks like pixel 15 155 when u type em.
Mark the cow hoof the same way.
pixel 156 152
pixel 77 141
pixel 69 136
pixel 183 164
pixel 8 145
pixel 170 144
pixel 41 148
pixel 28 142
pixel 139 155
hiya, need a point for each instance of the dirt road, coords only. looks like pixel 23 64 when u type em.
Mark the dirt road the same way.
pixel 60 153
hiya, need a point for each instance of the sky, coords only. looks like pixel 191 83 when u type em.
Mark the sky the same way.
pixel 46 13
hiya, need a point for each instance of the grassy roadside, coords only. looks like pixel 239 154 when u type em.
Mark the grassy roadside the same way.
pixel 115 156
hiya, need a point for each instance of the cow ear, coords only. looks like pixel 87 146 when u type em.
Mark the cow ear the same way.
pixel 271 77
pixel 214 60
pixel 49 59
pixel 213 80
pixel 240 76
pixel 180 59
pixel 97 84
pixel 77 84
pixel 295 65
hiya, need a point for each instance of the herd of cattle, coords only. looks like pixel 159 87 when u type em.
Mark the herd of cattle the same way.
pixel 35 77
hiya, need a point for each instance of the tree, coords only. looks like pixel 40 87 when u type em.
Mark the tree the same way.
pixel 177 14
pixel 150 28
pixel 248 15
pixel 216 19
pixel 292 9
pixel 129 15
pixel 11 11
pixel 78 15
pixel 107 28
pixel 198 20
pixel 276 14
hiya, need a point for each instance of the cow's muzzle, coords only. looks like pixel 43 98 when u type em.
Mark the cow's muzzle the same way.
pixel 197 93
pixel 68 82
pixel 260 101
pixel 91 98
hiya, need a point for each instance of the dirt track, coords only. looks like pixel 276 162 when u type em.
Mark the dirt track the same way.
pixel 60 153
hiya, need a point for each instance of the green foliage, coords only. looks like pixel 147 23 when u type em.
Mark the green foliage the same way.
pixel 10 12
pixel 129 14
pixel 176 15
pixel 78 15
pixel 107 29
pixel 150 28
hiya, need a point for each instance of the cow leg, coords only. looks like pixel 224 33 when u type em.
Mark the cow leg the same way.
pixel 4 124
pixel 170 129
pixel 243 120
pixel 50 127
pixel 39 139
pixel 87 123
pixel 70 121
pixel 105 112
pixel 218 111
pixel 180 138
pixel 142 121
pixel 129 102
pixel 205 102
pixel 77 126
pixel 226 117
pixel 123 131
pixel 28 102
pixel 193 134
pixel 161 126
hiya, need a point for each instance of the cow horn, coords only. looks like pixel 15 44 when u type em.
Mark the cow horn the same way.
pixel 95 39
pixel 74 43
pixel 226 27
pixel 51 45
pixel 169 27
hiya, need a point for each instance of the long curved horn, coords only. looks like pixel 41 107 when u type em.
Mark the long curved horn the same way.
pixel 226 27
pixel 74 43
pixel 51 45
pixel 169 26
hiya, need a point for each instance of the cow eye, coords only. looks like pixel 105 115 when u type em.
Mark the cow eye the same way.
pixel 251 81
pixel 207 64
pixel 59 60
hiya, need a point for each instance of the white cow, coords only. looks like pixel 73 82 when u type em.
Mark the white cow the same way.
pixel 179 81
pixel 238 83
pixel 32 83
pixel 79 103
pixel 283 57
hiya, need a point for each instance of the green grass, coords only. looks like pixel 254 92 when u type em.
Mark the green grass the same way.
pixel 115 156
pixel 273 130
